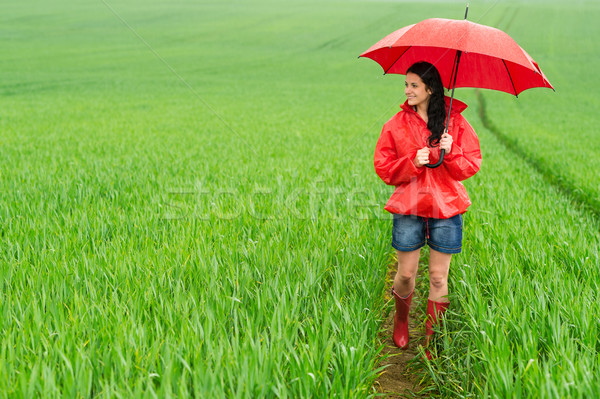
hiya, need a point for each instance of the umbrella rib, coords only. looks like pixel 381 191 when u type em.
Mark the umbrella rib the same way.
pixel 510 77
pixel 393 63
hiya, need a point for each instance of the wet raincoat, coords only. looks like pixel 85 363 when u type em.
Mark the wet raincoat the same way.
pixel 431 193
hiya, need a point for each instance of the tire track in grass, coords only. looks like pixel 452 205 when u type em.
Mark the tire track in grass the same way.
pixel 580 197
pixel 562 183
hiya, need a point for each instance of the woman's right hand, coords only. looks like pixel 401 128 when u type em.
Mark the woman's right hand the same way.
pixel 422 157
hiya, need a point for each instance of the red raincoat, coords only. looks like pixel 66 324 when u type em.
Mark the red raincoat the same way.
pixel 432 193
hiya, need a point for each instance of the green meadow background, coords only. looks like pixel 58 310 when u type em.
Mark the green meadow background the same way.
pixel 188 205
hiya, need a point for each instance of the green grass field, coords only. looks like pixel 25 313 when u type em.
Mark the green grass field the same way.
pixel 189 206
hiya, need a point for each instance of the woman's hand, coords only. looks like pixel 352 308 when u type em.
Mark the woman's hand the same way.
pixel 422 157
pixel 446 142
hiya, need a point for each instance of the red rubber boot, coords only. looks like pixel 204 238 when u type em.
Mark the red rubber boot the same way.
pixel 400 336
pixel 434 311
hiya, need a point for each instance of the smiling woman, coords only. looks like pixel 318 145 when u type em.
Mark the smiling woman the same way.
pixel 427 203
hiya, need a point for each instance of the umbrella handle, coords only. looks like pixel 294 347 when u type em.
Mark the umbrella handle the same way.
pixel 438 163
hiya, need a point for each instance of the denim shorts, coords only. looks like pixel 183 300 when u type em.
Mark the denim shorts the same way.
pixel 413 232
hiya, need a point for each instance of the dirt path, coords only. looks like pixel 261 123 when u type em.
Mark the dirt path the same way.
pixel 399 378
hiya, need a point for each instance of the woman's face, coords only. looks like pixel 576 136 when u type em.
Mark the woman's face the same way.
pixel 417 93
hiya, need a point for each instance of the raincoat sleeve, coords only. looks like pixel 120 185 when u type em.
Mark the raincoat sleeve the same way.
pixel 394 165
pixel 465 159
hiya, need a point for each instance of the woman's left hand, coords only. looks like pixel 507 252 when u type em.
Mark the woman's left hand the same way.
pixel 446 142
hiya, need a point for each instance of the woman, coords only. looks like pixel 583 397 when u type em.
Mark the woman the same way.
pixel 427 204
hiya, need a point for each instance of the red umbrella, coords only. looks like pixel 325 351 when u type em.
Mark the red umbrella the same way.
pixel 488 58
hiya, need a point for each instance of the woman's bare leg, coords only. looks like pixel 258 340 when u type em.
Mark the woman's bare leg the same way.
pixel 439 266
pixel 408 264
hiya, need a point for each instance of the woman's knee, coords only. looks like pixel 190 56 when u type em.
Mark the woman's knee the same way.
pixel 438 280
pixel 405 276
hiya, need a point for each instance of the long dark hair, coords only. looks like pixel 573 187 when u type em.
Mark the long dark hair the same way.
pixel 436 110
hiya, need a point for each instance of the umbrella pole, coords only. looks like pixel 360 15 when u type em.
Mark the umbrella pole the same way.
pixel 458 54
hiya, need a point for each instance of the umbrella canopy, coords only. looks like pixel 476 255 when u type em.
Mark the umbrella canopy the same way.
pixel 489 58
